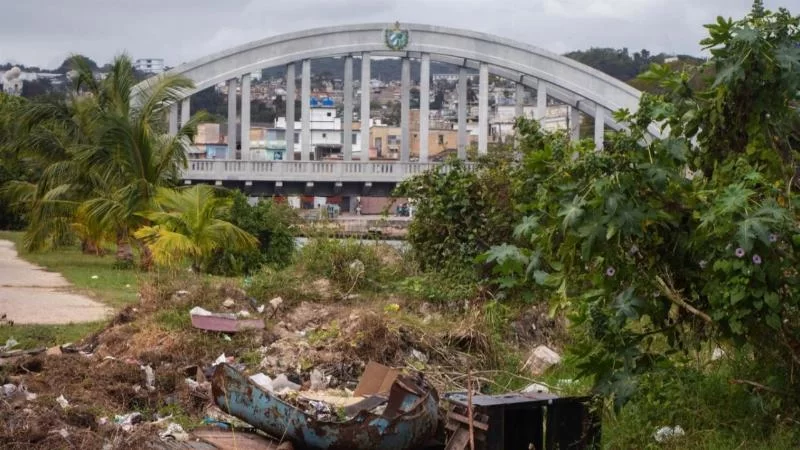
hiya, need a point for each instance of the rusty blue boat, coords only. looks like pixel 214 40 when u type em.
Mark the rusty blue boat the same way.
pixel 408 422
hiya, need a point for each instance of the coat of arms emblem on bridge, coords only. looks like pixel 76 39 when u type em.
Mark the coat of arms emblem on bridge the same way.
pixel 396 39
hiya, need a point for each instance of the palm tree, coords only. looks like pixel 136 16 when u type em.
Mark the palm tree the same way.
pixel 188 226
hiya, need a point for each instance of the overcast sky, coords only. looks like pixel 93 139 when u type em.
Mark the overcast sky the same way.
pixel 44 32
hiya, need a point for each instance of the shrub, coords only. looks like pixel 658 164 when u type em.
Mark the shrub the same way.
pixel 271 223
pixel 349 264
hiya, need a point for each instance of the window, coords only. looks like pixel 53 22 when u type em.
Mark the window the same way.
pixel 441 139
pixel 328 114
pixel 393 140
pixel 324 135
pixel 297 138
pixel 355 138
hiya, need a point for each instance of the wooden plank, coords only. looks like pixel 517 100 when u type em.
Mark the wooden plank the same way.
pixel 465 420
pixel 459 441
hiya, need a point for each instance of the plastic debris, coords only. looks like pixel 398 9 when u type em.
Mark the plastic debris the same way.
pixel 94 277
pixel 10 343
pixel 61 432
pixel 243 313
pixel 541 359
pixel 665 434
pixel 220 359
pixel 263 380
pixel 261 309
pixel 419 356
pixel 198 311
pixel 717 354
pixel 181 292
pixel 229 303
pixel 318 380
pixel 281 384
pixel 149 377
pixel 534 388
pixel 12 391
pixel 175 432
pixel 276 303
pixel 63 402
pixel 127 421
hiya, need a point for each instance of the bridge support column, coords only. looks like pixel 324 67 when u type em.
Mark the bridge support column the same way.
pixel 290 96
pixel 405 112
pixel 541 102
pixel 519 100
pixel 462 113
pixel 599 127
pixel 483 109
pixel 574 123
pixel 305 115
pixel 246 117
pixel 424 106
pixel 232 85
pixel 173 119
pixel 366 91
pixel 186 111
pixel 347 126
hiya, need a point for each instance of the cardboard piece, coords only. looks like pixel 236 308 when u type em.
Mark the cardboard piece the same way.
pixel 377 379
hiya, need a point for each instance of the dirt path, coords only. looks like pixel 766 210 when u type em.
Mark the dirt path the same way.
pixel 30 294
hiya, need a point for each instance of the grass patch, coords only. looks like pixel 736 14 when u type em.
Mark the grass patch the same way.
pixel 115 287
pixel 31 336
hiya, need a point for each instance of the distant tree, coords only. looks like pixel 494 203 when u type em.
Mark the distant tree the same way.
pixel 71 63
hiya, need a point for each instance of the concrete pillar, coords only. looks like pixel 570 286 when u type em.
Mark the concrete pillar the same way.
pixel 366 92
pixel 519 100
pixel 483 109
pixel 232 85
pixel 347 126
pixel 290 96
pixel 541 102
pixel 462 113
pixel 173 119
pixel 424 106
pixel 574 123
pixel 186 111
pixel 246 116
pixel 305 111
pixel 405 112
pixel 599 127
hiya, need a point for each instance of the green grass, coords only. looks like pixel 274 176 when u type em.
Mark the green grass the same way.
pixel 114 287
pixel 32 336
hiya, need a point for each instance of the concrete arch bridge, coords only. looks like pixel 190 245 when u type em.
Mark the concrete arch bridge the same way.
pixel 579 87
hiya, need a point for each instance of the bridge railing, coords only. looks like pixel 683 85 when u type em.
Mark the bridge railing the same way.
pixel 377 171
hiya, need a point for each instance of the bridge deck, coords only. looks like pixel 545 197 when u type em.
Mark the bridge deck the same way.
pixel 304 171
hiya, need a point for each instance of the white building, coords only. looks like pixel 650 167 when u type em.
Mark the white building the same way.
pixel 149 65
pixel 326 135
pixel 502 124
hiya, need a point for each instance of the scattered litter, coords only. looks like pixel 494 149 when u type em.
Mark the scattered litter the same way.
pixel 261 309
pixel 717 354
pixel 281 384
pixel 229 303
pixel 357 266
pixel 102 421
pixel 198 311
pixel 220 359
pixel 318 380
pixel 263 380
pixel 276 303
pixel 175 432
pixel 63 402
pixel 541 359
pixel 225 337
pixel 149 377
pixel 181 293
pixel 12 392
pixel 10 343
pixel 127 421
pixel 534 388
pixel 665 434
pixel 419 356
pixel 94 277
pixel 53 351
pixel 224 322
pixel 61 432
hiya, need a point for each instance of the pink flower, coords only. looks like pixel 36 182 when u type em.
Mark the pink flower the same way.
pixel 739 252
pixel 610 271
pixel 756 259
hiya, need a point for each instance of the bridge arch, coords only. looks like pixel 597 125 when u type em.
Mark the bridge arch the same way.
pixel 581 87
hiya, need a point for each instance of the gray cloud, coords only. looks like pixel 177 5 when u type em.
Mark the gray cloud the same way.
pixel 44 32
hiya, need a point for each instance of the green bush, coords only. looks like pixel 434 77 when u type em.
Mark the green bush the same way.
pixel 349 264
pixel 439 287
pixel 271 223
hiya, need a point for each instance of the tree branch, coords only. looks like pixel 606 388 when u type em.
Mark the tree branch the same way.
pixel 674 297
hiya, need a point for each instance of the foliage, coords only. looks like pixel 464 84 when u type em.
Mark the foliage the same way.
pixel 461 210
pixel 12 165
pixel 658 246
pixel 187 226
pixel 271 223
pixel 349 264
pixel 438 287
